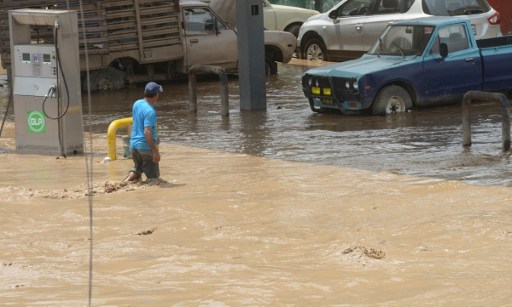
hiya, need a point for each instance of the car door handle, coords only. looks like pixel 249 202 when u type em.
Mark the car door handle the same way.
pixel 194 40
pixel 469 59
pixel 359 27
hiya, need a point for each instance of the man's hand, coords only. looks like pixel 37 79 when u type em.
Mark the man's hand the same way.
pixel 156 156
pixel 148 134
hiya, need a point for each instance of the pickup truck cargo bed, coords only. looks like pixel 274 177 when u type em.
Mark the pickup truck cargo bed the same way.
pixel 114 29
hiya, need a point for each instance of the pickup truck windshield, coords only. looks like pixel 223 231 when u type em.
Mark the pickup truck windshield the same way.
pixel 402 40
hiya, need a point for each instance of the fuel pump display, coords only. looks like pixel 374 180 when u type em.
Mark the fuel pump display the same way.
pixel 36 69
pixel 46 86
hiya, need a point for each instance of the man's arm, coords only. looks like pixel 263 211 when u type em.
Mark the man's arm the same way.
pixel 148 134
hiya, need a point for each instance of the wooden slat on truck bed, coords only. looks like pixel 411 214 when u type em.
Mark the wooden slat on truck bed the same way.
pixel 111 27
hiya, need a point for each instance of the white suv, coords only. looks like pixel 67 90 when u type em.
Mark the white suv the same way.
pixel 349 29
pixel 285 18
pixel 276 17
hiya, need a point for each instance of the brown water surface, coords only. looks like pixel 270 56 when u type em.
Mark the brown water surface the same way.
pixel 284 207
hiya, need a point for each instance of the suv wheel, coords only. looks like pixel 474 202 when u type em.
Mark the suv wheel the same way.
pixel 314 50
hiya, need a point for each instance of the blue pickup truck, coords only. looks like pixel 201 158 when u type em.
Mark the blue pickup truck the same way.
pixel 421 62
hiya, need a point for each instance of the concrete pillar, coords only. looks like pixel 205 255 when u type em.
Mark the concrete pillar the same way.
pixel 251 55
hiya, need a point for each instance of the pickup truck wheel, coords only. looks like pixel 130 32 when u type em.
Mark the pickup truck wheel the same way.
pixel 293 29
pixel 106 79
pixel 314 50
pixel 270 67
pixel 391 99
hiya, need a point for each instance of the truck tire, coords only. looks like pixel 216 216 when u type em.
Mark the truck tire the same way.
pixel 270 67
pixel 314 50
pixel 391 99
pixel 106 79
pixel 293 29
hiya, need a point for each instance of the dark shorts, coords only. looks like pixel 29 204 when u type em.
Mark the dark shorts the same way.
pixel 143 160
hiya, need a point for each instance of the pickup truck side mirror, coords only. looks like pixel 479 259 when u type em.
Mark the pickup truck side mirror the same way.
pixel 443 50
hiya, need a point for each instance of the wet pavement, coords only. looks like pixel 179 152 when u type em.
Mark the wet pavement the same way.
pixel 423 142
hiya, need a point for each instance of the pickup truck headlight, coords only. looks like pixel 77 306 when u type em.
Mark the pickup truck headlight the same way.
pixel 319 86
pixel 355 85
pixel 351 85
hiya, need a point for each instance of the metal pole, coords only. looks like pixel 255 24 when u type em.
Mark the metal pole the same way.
pixel 466 126
pixel 192 93
pixel 505 115
pixel 224 94
pixel 505 127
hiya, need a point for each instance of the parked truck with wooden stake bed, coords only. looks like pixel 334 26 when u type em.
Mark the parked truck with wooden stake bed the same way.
pixel 130 41
pixel 427 61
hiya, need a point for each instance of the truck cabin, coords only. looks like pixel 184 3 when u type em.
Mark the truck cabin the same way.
pixel 411 39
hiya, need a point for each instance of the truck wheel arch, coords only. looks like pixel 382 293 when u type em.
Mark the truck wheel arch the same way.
pixel 293 28
pixel 272 56
pixel 274 53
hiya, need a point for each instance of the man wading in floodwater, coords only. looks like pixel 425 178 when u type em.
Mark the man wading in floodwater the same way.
pixel 144 138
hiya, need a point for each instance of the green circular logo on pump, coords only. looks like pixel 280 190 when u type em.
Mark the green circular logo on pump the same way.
pixel 36 122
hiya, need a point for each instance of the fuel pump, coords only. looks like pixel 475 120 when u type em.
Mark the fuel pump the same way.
pixel 46 82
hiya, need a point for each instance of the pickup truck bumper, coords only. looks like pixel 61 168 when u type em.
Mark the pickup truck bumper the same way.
pixel 334 93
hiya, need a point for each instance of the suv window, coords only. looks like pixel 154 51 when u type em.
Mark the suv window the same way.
pixel 387 7
pixel 455 7
pixel 370 7
pixel 354 8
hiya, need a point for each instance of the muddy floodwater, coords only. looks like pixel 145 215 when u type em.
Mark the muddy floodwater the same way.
pixel 283 207
pixel 425 142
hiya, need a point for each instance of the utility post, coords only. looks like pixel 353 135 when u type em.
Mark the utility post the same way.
pixel 251 55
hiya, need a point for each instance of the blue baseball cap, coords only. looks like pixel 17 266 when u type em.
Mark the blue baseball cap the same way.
pixel 153 88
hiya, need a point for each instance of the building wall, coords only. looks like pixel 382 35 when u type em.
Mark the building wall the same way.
pixel 505 9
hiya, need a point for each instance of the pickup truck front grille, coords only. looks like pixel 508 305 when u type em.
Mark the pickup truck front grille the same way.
pixel 344 89
pixel 330 90
pixel 310 83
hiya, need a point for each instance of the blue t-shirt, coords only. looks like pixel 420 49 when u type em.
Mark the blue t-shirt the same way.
pixel 144 115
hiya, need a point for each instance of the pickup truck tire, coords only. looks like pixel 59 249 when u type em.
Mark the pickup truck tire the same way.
pixel 293 29
pixel 391 99
pixel 270 67
pixel 314 50
pixel 106 80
